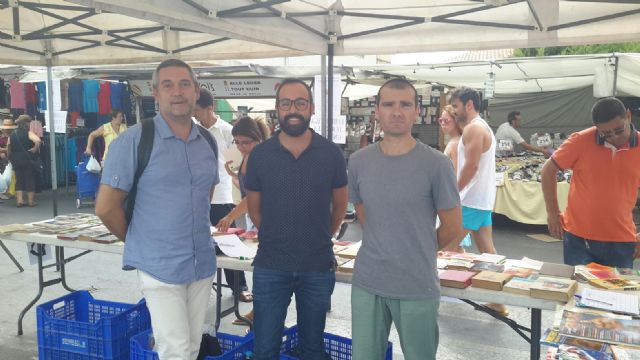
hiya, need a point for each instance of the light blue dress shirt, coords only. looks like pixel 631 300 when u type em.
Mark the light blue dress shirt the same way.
pixel 169 236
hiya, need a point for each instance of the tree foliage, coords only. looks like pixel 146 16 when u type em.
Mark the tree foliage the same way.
pixel 631 47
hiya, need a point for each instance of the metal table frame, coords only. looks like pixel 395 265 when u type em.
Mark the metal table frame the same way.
pixel 469 295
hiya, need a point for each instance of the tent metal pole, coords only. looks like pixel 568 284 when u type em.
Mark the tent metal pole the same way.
pixel 330 92
pixel 52 138
pixel 615 76
pixel 323 92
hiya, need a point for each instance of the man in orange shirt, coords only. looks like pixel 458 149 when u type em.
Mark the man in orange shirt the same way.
pixel 597 225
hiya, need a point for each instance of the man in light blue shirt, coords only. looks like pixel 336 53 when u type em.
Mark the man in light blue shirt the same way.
pixel 168 240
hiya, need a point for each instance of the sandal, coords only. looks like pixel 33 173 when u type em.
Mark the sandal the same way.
pixel 33 204
pixel 246 296
pixel 241 322
pixel 19 205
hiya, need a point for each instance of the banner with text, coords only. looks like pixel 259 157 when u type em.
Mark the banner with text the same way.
pixel 223 88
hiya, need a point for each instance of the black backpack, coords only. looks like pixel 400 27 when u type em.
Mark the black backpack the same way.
pixel 145 146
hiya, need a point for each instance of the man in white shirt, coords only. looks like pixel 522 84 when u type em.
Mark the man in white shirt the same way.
pixel 222 200
pixel 508 137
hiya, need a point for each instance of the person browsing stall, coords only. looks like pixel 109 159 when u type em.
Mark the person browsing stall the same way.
pixel 168 240
pixel 108 131
pixel 398 186
pixel 247 133
pixel 297 196
pixel 222 200
pixel 23 147
pixel 597 225
pixel 508 134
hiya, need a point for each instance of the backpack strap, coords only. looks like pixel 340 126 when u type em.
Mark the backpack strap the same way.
pixel 207 136
pixel 145 146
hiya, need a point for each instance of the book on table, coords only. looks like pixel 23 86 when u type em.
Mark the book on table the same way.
pixel 553 288
pixel 518 272
pixel 459 264
pixel 615 284
pixel 487 266
pixel 578 353
pixel 559 270
pixel 490 280
pixel 601 327
pixel 520 285
pixel 625 353
pixel 456 278
pixel 553 338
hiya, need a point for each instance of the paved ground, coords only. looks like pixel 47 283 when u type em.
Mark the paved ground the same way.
pixel 464 332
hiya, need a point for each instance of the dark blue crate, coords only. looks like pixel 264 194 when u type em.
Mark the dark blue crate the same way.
pixel 77 326
pixel 233 347
pixel 337 346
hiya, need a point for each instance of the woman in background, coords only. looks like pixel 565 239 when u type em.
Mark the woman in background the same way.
pixel 108 131
pixel 247 133
pixel 23 149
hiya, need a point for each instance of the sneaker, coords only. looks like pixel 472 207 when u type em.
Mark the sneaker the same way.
pixel 4 197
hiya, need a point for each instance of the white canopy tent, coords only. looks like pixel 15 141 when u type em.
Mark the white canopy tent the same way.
pixel 524 75
pixel 381 27
pixel 353 27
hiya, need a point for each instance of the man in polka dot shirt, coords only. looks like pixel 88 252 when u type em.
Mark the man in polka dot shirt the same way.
pixel 297 196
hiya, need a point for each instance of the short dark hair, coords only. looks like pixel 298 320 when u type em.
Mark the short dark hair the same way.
pixel 398 83
pixel 607 109
pixel 206 99
pixel 464 94
pixel 512 116
pixel 115 112
pixel 288 81
pixel 172 63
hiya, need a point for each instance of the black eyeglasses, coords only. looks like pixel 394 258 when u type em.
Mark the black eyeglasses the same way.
pixel 300 104
pixel 614 132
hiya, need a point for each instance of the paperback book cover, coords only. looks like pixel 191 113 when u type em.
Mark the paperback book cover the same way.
pixel 559 270
pixel 601 327
pixel 554 338
pixel 456 278
pixel 579 353
pixel 615 284
pixel 625 353
pixel 458 264
pixel 553 288
pixel 490 280
pixel 520 285
pixel 487 266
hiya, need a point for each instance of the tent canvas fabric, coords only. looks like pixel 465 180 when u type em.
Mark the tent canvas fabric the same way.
pixel 357 27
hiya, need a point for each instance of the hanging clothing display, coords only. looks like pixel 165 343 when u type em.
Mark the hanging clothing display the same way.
pixel 73 119
pixel 42 95
pixel 104 99
pixel 64 95
pixel 3 95
pixel 116 95
pixel 31 99
pixel 17 92
pixel 90 90
pixel 75 96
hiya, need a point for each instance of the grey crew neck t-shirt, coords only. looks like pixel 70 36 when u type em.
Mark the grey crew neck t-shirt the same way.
pixel 401 196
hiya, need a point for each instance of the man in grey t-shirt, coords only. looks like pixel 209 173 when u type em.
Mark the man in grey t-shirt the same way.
pixel 398 186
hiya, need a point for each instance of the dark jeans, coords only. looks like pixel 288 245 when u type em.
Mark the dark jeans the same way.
pixel 217 212
pixel 272 290
pixel 581 251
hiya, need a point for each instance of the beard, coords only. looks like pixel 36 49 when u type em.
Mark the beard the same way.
pixel 294 130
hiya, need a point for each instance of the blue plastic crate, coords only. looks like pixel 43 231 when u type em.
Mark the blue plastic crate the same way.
pixel 79 327
pixel 337 346
pixel 233 347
